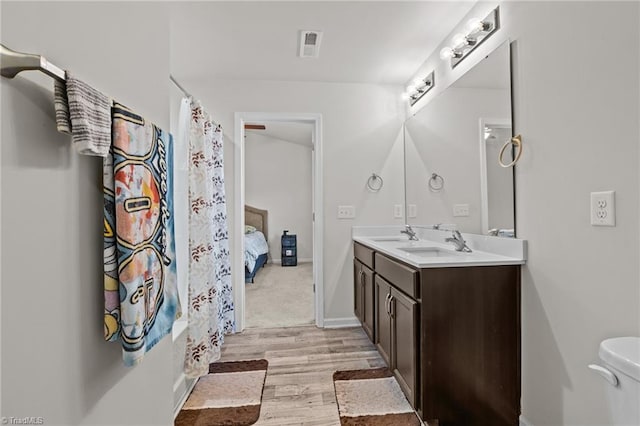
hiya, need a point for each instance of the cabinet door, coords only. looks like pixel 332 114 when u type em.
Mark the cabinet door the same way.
pixel 383 319
pixel 404 318
pixel 357 290
pixel 368 302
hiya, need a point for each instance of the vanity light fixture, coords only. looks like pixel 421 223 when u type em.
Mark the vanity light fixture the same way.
pixel 419 88
pixel 478 30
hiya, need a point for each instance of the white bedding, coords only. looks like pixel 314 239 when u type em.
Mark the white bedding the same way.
pixel 255 244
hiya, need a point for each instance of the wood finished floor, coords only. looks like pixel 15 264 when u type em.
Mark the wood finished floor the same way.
pixel 299 386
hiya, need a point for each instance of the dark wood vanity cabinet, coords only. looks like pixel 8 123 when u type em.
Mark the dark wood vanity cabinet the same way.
pixel 470 345
pixel 383 319
pixel 364 289
pixel 397 322
pixel 363 297
pixel 450 335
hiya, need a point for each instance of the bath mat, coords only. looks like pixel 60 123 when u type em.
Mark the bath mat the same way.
pixel 231 394
pixel 372 398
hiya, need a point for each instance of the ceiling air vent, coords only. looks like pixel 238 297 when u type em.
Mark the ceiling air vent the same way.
pixel 309 44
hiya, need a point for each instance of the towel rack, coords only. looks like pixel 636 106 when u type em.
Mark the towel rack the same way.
pixel 436 182
pixel 12 63
pixel 517 142
pixel 371 182
pixel 15 62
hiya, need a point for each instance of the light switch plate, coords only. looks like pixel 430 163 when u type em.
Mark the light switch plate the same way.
pixel 346 212
pixel 603 208
pixel 413 211
pixel 460 210
pixel 397 211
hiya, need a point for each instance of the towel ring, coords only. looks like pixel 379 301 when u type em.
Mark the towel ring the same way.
pixel 436 182
pixel 517 141
pixel 371 182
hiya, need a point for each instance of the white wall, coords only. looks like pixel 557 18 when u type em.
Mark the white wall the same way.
pixel 278 179
pixel 55 362
pixel 576 105
pixel 362 134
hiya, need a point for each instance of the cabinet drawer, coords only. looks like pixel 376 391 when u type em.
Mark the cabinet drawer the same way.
pixel 401 276
pixel 364 254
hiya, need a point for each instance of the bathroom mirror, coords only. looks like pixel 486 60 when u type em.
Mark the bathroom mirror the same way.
pixel 452 174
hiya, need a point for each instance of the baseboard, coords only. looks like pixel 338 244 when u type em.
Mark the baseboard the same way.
pixel 341 322
pixel 300 260
pixel 524 422
pixel 182 379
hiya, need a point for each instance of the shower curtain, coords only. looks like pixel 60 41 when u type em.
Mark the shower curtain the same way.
pixel 210 292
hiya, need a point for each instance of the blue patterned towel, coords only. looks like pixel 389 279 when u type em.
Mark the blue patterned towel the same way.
pixel 141 296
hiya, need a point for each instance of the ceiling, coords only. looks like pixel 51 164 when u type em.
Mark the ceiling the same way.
pixel 380 42
pixel 288 131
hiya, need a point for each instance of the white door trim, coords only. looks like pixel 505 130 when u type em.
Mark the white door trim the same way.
pixel 484 183
pixel 318 241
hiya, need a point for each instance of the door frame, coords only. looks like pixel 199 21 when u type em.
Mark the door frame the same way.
pixel 239 201
pixel 484 181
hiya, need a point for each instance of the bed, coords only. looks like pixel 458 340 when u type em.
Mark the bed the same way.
pixel 256 249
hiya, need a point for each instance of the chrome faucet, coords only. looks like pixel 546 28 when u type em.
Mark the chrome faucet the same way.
pixel 458 241
pixel 410 232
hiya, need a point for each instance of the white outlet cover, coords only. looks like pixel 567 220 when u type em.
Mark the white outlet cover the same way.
pixel 603 208
pixel 460 210
pixel 413 211
pixel 346 212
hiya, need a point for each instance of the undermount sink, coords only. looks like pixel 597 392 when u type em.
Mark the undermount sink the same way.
pixel 429 251
pixel 383 239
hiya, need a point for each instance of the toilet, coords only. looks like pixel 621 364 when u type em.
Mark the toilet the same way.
pixel 621 371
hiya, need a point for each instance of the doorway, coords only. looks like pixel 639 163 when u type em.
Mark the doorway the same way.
pixel 251 135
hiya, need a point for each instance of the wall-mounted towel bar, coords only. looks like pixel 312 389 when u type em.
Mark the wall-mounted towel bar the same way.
pixel 13 62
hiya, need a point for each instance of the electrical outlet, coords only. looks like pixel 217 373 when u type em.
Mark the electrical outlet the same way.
pixel 397 211
pixel 460 210
pixel 413 211
pixel 603 208
pixel 346 212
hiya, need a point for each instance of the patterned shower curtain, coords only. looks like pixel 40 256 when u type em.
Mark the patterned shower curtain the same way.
pixel 210 292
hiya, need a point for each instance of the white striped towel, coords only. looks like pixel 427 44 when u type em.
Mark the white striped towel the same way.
pixel 85 113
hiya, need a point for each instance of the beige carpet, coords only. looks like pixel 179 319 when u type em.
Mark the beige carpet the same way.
pixel 372 397
pixel 281 296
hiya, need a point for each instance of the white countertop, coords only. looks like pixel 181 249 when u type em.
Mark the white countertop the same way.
pixel 486 250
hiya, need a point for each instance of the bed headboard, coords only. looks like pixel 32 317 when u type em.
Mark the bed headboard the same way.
pixel 257 218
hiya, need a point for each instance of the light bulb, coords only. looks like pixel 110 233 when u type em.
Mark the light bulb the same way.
pixel 446 53
pixel 476 25
pixel 459 40
pixel 405 96
pixel 411 89
pixel 418 82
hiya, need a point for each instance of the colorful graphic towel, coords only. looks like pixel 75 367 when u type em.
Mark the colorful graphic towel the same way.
pixel 141 295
